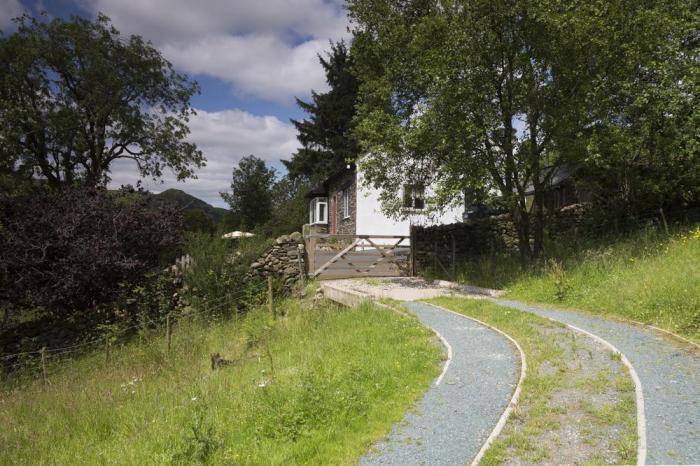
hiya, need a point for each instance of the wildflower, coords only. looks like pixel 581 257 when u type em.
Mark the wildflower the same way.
pixel 194 398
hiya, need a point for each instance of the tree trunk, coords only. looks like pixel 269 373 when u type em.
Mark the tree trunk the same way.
pixel 522 224
pixel 538 226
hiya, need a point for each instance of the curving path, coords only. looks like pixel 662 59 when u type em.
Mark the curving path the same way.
pixel 455 417
pixel 670 379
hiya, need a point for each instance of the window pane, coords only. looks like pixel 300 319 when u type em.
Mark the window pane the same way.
pixel 322 212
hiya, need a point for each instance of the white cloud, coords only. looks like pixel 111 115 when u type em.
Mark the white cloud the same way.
pixel 175 20
pixel 9 9
pixel 265 49
pixel 263 66
pixel 224 138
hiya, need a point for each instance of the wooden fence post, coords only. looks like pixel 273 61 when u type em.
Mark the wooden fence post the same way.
pixel 106 350
pixel 270 304
pixel 43 366
pixel 168 331
pixel 663 218
pixel 454 258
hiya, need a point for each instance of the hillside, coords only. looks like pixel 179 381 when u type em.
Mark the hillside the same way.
pixel 189 202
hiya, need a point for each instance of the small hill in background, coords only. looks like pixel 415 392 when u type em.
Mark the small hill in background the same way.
pixel 188 202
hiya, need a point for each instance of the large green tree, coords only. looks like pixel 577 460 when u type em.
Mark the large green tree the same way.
pixel 325 136
pixel 251 193
pixel 483 96
pixel 75 96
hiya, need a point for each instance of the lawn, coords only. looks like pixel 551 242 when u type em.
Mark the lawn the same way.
pixel 648 277
pixel 318 386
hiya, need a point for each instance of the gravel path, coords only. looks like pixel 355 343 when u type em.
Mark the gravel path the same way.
pixel 454 418
pixel 670 376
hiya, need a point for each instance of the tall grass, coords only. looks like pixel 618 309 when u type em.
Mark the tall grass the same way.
pixel 220 268
pixel 647 276
pixel 315 387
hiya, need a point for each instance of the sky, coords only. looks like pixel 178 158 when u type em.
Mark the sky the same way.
pixel 250 57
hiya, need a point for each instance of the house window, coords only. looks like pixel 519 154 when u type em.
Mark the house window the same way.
pixel 414 196
pixel 346 203
pixel 318 211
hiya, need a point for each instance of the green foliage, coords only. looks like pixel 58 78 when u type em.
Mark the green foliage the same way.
pixel 75 96
pixel 327 145
pixel 251 192
pixel 480 97
pixel 196 220
pixel 335 382
pixel 218 277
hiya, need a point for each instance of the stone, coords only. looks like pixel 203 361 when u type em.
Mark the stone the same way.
pixel 255 265
pixel 296 237
pixel 282 239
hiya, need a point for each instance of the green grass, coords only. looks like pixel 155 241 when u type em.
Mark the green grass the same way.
pixel 547 373
pixel 648 277
pixel 318 386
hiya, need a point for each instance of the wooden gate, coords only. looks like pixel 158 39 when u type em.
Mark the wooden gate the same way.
pixel 347 256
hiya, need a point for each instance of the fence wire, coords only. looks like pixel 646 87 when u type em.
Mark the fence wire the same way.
pixel 33 359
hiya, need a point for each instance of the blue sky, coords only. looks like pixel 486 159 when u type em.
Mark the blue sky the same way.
pixel 251 58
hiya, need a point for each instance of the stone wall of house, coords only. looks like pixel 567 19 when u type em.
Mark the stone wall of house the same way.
pixel 437 246
pixel 284 261
pixel 345 226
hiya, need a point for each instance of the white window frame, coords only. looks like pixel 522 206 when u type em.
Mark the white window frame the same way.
pixel 315 211
pixel 346 203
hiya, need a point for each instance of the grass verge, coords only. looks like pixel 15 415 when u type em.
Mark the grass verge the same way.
pixel 648 277
pixel 577 402
pixel 318 386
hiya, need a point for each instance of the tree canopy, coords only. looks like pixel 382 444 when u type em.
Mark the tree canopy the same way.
pixel 482 96
pixel 75 96
pixel 325 136
pixel 251 192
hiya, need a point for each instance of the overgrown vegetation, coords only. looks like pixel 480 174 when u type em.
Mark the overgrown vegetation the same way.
pixel 647 276
pixel 559 396
pixel 317 386
pixel 69 255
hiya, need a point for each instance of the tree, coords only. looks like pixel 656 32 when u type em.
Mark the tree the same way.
pixel 250 198
pixel 75 97
pixel 327 145
pixel 69 250
pixel 196 220
pixel 483 96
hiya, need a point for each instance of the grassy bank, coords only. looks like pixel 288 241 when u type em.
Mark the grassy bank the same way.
pixel 577 401
pixel 315 387
pixel 648 277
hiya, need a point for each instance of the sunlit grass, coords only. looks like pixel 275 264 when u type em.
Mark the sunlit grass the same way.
pixel 318 386
pixel 649 277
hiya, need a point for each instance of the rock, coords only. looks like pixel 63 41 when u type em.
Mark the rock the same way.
pixel 255 265
pixel 282 239
pixel 296 237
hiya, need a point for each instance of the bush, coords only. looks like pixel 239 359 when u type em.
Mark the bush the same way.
pixel 69 251
pixel 218 280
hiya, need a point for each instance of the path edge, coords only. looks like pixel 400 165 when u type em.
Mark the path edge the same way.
pixel 516 393
pixel 639 395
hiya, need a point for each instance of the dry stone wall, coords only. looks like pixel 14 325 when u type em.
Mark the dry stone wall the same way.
pixel 284 261
pixel 436 247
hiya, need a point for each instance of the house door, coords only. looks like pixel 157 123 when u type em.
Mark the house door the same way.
pixel 334 219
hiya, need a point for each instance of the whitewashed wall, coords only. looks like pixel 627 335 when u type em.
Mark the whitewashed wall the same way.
pixel 371 221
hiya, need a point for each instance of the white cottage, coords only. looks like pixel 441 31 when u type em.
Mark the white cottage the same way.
pixel 341 204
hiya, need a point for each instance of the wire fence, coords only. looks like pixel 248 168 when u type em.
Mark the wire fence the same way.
pixel 33 364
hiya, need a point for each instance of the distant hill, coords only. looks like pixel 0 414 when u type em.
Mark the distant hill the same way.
pixel 188 202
